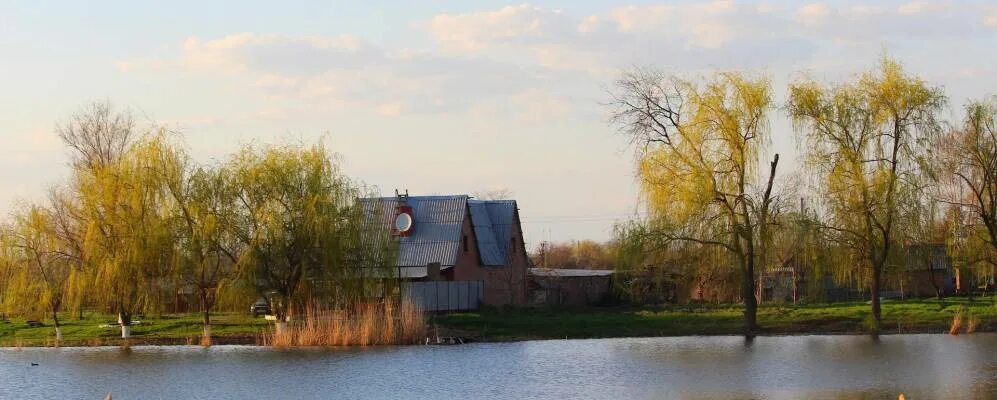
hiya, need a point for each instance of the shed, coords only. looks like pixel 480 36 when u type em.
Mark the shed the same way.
pixel 569 287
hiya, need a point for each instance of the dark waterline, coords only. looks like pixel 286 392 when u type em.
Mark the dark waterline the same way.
pixel 833 367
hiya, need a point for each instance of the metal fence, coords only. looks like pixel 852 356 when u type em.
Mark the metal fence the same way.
pixel 444 295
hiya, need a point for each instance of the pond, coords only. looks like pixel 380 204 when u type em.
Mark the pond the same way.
pixel 790 367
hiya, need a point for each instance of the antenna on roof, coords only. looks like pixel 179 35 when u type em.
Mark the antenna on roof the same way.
pixel 401 197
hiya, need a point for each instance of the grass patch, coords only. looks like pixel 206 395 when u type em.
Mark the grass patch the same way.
pixel 919 315
pixel 169 328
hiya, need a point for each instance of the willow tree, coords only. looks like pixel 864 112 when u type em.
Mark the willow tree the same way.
pixel 128 239
pixel 867 139
pixel 296 219
pixel 699 146
pixel 69 228
pixel 199 208
pixel 969 183
pixel 45 273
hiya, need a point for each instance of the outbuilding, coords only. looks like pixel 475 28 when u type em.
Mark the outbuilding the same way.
pixel 569 287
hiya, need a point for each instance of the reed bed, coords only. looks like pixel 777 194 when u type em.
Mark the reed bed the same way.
pixel 964 319
pixel 361 325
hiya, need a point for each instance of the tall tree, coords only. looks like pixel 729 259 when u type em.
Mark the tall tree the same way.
pixel 200 210
pixel 45 271
pixel 867 141
pixel 698 148
pixel 128 238
pixel 296 222
pixel 70 228
pixel 969 183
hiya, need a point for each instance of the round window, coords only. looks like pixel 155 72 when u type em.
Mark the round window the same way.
pixel 403 222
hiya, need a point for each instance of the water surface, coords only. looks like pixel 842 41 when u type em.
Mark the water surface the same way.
pixel 790 367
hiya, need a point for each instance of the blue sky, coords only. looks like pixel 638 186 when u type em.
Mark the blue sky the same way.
pixel 444 96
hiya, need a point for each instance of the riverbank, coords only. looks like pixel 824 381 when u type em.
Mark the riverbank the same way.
pixel 910 316
pixel 101 330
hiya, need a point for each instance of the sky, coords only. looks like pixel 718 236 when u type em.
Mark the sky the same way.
pixel 446 97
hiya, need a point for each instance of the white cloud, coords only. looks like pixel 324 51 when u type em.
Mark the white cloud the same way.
pixel 920 6
pixel 390 109
pixel 990 20
pixel 514 53
pixel 478 30
pixel 277 53
pixel 812 13
pixel 588 24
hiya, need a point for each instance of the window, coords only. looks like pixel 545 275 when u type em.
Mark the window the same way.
pixel 513 245
pixel 463 242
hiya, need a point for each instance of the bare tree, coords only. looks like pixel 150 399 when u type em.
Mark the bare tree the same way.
pixel 97 135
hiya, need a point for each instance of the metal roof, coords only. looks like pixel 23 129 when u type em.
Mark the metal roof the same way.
pixel 436 222
pixel 492 221
pixel 436 227
pixel 569 273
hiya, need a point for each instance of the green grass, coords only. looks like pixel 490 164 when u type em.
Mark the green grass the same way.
pixel 898 317
pixel 928 315
pixel 165 329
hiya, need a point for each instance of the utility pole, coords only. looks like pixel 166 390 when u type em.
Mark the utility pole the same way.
pixel 543 254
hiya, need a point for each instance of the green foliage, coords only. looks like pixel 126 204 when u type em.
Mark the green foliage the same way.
pixel 867 139
pixel 699 147
pixel 302 224
pixel 142 228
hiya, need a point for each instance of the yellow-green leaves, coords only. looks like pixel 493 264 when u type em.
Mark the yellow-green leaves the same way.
pixel 866 139
pixel 699 147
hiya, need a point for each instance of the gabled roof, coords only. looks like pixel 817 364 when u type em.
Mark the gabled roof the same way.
pixel 436 227
pixel 492 221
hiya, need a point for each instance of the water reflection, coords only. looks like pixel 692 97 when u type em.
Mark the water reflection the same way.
pixel 821 367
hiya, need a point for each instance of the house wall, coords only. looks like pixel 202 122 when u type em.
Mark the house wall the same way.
pixel 503 284
pixel 569 291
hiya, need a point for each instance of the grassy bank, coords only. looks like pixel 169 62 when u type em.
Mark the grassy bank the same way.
pixel 226 328
pixel 909 316
pixel 898 317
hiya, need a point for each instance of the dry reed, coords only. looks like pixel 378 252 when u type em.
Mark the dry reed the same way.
pixel 957 321
pixel 972 325
pixel 361 325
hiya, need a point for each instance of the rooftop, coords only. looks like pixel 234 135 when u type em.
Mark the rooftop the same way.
pixel 569 273
pixel 435 235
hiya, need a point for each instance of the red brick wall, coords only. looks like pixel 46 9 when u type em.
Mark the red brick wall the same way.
pixel 501 283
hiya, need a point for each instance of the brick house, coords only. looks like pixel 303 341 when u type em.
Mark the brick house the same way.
pixel 456 238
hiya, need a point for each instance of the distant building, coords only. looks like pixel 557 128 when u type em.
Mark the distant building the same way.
pixel 569 287
pixel 928 271
pixel 457 239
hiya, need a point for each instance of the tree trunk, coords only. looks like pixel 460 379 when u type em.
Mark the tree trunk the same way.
pixel 750 302
pixel 931 275
pixel 877 315
pixel 79 310
pixel 125 320
pixel 750 314
pixel 55 320
pixel 207 314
